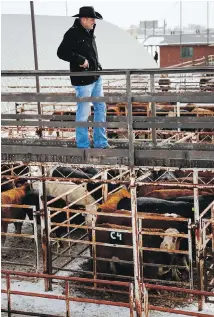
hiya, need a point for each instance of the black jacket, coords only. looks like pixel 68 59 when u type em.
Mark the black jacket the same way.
pixel 77 45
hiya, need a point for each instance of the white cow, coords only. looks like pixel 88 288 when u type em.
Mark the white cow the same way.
pixel 75 194
pixel 170 242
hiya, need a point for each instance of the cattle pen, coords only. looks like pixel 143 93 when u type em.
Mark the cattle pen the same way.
pixel 107 256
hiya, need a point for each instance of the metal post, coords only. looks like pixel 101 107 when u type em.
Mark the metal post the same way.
pixel 178 113
pixel 135 242
pixel 93 208
pixel 67 293
pixel 153 108
pixel 130 119
pixel 8 295
pixel 131 299
pixel 45 241
pixel 141 245
pixel 105 186
pixel 46 234
pixel 212 227
pixel 36 238
pixel 146 301
pixel 198 242
pixel 35 50
pixel 48 266
pixel 181 58
pixel 208 34
pixel 190 254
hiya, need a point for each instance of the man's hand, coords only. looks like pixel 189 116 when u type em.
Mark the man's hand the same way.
pixel 85 65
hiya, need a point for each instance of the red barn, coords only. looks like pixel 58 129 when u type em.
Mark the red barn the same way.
pixel 176 49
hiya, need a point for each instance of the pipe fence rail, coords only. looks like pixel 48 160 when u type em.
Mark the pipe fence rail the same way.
pixel 65 282
pixel 153 152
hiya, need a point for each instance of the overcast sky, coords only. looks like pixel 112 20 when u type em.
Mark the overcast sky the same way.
pixel 123 13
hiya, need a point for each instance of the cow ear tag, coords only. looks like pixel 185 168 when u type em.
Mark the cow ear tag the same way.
pixel 193 209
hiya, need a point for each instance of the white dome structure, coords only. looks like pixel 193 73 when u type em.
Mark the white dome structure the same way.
pixel 117 49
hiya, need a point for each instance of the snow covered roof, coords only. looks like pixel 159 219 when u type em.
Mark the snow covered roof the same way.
pixel 188 39
pixel 153 40
pixel 117 49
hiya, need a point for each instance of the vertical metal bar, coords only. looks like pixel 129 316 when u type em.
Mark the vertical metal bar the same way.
pixel 203 232
pixel 48 267
pixel 93 239
pixel 8 295
pixel 190 254
pixel 105 186
pixel 68 222
pixel 135 242
pixel 130 119
pixel 35 50
pixel 67 292
pixel 42 220
pixel 208 34
pixel 204 242
pixel 164 27
pixel 181 57
pixel 44 235
pixel 212 227
pixel 16 112
pixel 153 108
pixel 40 131
pixel 199 263
pixel 131 299
pixel 146 301
pixel 48 239
pixel 141 246
pixel 36 238
pixel 178 113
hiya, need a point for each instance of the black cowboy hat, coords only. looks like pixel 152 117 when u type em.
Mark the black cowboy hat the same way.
pixel 88 12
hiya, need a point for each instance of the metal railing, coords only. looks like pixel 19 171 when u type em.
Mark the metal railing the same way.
pixel 130 123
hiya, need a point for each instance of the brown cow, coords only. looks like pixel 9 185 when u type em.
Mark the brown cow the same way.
pixel 144 190
pixel 13 196
pixel 117 237
pixel 180 173
pixel 172 193
pixel 113 199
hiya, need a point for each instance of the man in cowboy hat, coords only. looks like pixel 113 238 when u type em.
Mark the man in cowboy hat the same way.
pixel 79 48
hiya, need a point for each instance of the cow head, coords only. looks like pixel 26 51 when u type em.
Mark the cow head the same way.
pixel 170 243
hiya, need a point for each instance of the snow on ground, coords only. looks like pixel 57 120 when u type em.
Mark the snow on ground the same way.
pixel 50 306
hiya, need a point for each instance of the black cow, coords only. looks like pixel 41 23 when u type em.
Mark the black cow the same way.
pixel 6 184
pixel 87 172
pixel 161 206
pixel 63 171
pixel 98 193
pixel 203 200
pixel 32 199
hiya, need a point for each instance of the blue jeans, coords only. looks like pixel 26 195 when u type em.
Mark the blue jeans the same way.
pixel 83 112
